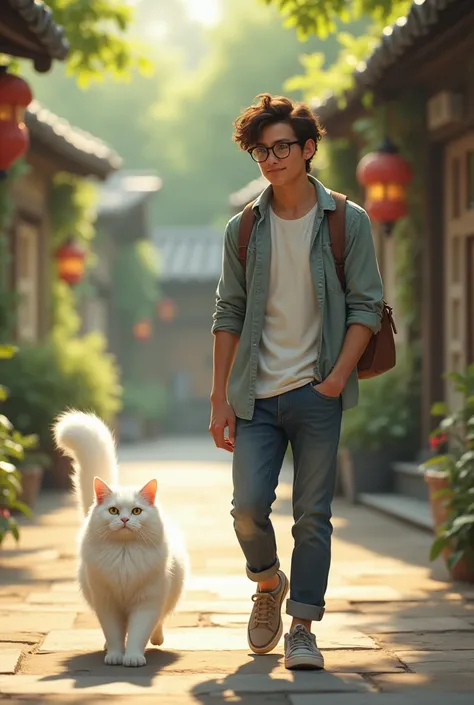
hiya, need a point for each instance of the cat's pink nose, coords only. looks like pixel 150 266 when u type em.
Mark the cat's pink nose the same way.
pixel 124 519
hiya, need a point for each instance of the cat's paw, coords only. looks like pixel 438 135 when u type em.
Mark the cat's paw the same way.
pixel 157 638
pixel 134 660
pixel 114 658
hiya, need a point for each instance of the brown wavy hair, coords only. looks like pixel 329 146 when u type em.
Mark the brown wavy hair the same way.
pixel 271 110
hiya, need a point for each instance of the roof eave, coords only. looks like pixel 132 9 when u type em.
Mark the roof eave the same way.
pixel 47 39
pixel 422 19
pixel 58 138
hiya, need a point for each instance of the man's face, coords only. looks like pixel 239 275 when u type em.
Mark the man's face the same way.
pixel 290 160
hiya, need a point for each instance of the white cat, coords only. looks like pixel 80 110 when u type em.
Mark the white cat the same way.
pixel 133 562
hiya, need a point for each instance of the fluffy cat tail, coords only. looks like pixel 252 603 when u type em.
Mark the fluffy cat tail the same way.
pixel 87 440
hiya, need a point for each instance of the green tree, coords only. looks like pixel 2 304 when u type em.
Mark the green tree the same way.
pixel 96 32
pixel 321 17
pixel 118 112
pixel 249 53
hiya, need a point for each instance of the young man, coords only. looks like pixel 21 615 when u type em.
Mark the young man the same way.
pixel 287 340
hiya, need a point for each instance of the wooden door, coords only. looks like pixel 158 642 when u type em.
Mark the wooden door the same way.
pixel 459 248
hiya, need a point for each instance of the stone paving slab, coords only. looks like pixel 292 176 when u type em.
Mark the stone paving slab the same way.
pixel 370 593
pixel 9 660
pixel 448 608
pixel 197 639
pixel 209 606
pixel 384 699
pixel 438 661
pixel 14 637
pixel 54 597
pixel 226 698
pixel 36 621
pixel 88 620
pixel 429 641
pixel 26 607
pixel 382 625
pixel 426 683
pixel 167 661
pixel 135 685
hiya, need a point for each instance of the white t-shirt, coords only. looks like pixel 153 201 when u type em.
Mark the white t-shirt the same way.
pixel 288 347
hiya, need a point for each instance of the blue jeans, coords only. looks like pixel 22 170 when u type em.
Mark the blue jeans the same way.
pixel 311 423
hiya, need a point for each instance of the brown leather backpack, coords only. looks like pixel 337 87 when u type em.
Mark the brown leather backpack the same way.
pixel 380 354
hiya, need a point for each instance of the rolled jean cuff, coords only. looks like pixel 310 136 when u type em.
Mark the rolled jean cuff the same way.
pixel 299 610
pixel 264 574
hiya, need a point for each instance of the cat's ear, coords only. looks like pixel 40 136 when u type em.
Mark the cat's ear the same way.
pixel 149 491
pixel 101 490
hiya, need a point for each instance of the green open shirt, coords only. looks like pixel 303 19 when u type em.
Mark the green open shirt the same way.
pixel 241 299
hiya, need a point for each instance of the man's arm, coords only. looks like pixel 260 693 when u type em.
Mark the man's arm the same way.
pixel 231 294
pixel 228 321
pixel 364 301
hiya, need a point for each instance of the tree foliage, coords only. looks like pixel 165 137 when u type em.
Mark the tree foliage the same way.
pixel 321 17
pixel 179 121
pixel 97 33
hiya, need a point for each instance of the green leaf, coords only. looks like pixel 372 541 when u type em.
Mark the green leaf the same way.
pixel 437 547
pixel 14 529
pixel 7 351
pixel 454 558
pixel 440 408
pixel 7 467
pixel 5 424
pixel 445 492
pixel 22 507
pixel 3 393
pixel 463 521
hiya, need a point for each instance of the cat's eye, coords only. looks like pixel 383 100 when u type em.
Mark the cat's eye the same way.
pixel 114 511
pixel 136 511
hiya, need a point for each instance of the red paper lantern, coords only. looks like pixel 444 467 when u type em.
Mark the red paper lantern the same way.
pixel 385 175
pixel 71 258
pixel 167 310
pixel 15 96
pixel 142 330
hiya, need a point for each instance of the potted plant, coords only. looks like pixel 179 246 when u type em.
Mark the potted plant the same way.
pixel 32 469
pixel 12 447
pixel 46 379
pixel 381 429
pixel 449 475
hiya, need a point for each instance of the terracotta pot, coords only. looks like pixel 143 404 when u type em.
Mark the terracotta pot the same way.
pixel 31 479
pixel 58 476
pixel 436 481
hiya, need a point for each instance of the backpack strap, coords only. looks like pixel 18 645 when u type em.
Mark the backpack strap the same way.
pixel 246 224
pixel 337 232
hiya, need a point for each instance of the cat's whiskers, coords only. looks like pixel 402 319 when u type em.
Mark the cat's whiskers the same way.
pixel 146 538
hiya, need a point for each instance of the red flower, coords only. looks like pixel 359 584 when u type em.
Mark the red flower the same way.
pixel 4 512
pixel 437 441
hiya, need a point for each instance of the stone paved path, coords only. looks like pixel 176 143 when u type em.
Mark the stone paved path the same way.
pixel 396 630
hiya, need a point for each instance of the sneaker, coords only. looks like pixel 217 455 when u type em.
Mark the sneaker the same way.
pixel 301 650
pixel 265 624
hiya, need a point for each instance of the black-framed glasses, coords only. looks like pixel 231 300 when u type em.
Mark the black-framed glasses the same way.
pixel 281 150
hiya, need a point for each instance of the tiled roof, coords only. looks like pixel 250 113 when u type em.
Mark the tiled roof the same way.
pixel 40 22
pixel 424 17
pixel 90 154
pixel 125 189
pixel 189 254
pixel 249 192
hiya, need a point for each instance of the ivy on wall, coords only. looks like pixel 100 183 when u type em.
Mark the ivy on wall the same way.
pixel 73 213
pixel 8 298
pixel 137 265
